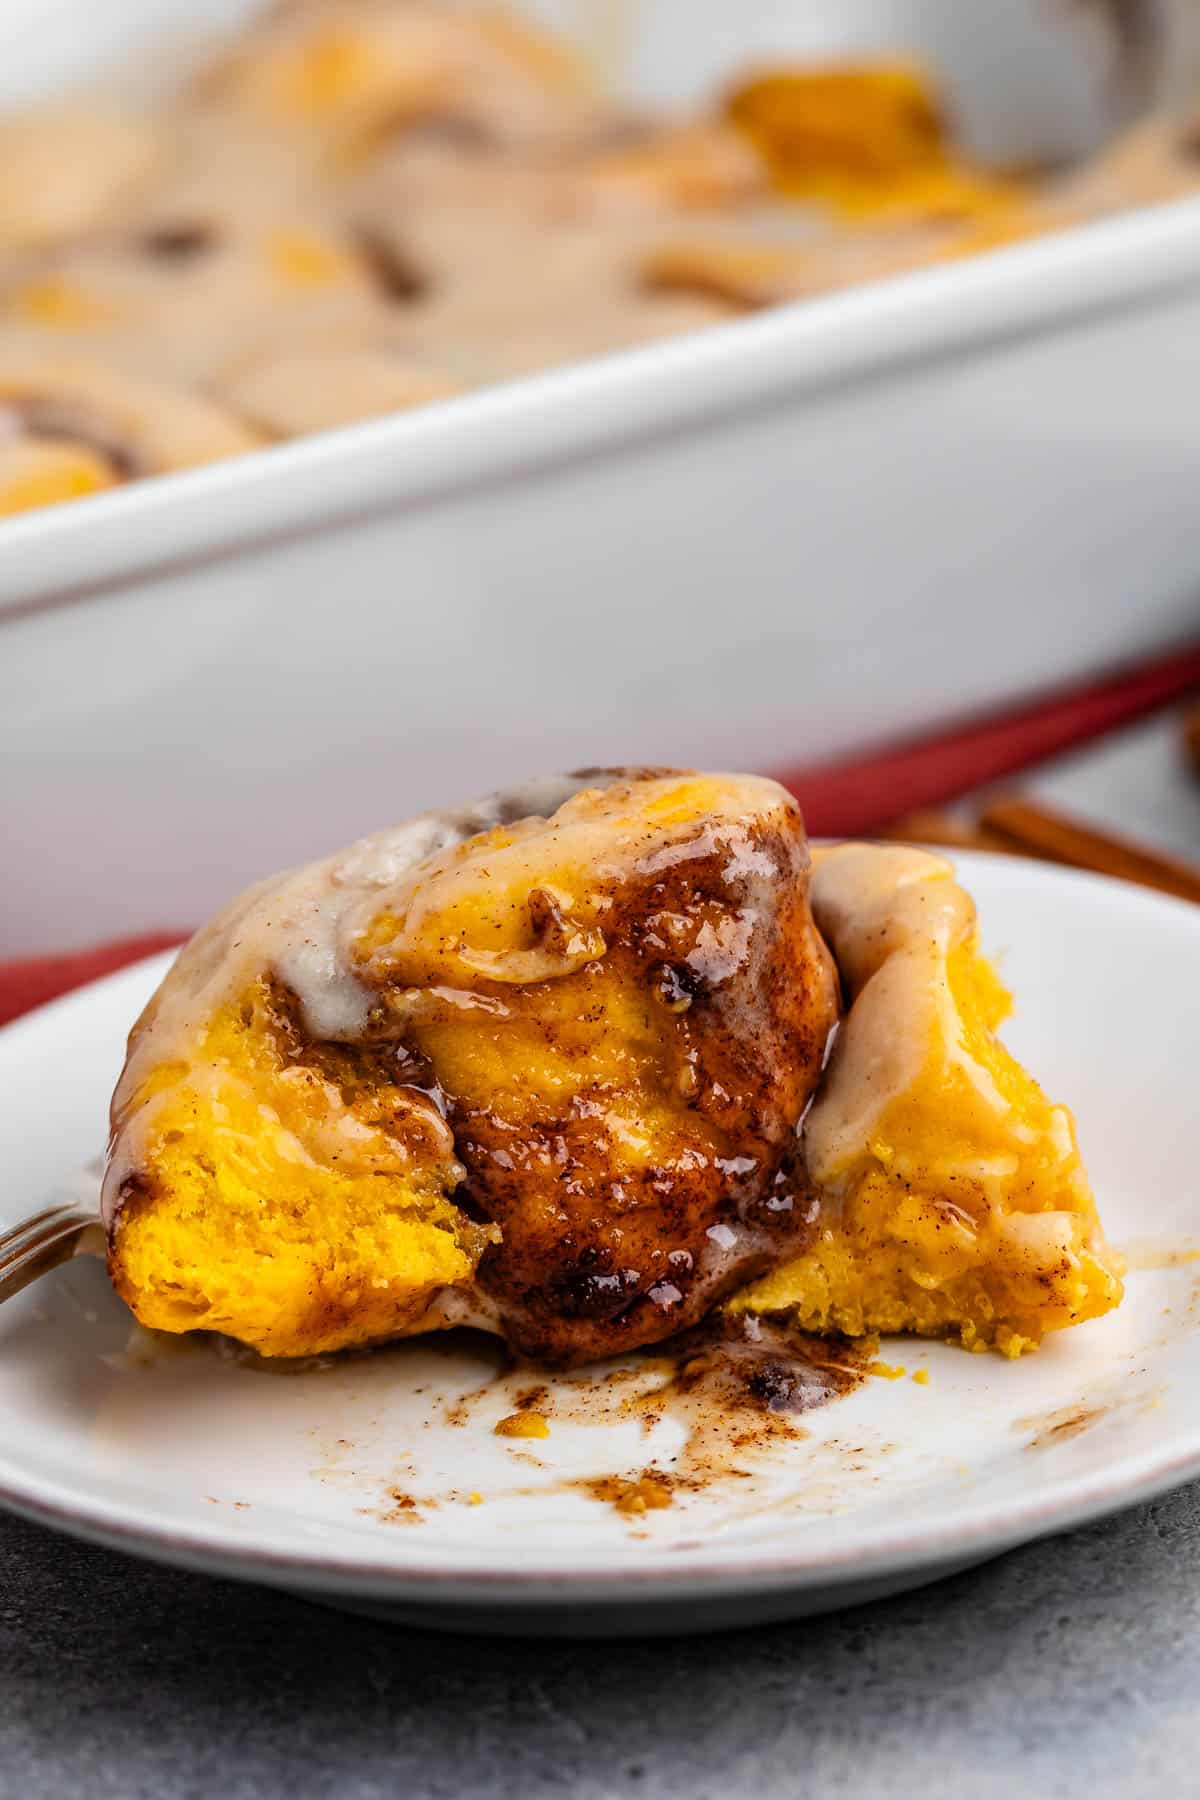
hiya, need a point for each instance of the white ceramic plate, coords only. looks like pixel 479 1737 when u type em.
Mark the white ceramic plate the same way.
pixel 351 1483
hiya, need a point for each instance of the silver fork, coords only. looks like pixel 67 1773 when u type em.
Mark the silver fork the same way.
pixel 44 1240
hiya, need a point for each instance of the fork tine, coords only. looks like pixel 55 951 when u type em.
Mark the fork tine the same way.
pixel 39 1218
pixel 21 1237
pixel 40 1244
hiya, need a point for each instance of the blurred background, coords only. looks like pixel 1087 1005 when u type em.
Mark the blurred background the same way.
pixel 442 395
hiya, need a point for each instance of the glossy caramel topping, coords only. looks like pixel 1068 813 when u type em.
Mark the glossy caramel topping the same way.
pixel 608 987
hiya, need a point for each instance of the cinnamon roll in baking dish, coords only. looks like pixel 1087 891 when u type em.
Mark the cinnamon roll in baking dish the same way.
pixel 356 73
pixel 580 1063
pixel 287 393
pixel 71 428
pixel 188 290
pixel 363 206
pixel 69 168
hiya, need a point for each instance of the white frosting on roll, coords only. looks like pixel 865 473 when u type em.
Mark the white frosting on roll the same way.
pixel 450 919
pixel 298 927
pixel 891 916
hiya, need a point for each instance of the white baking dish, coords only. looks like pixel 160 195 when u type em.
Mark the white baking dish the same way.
pixel 771 541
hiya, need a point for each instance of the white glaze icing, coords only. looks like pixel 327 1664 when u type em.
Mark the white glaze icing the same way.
pixel 297 926
pixel 305 927
pixel 891 916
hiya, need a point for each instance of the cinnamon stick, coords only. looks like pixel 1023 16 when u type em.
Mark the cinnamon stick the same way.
pixel 1041 831
pixel 929 826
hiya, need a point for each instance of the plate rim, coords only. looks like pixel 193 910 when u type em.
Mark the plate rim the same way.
pixel 714 1566
pixel 988 1531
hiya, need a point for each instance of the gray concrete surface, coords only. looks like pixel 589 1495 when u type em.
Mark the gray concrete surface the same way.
pixel 1069 1668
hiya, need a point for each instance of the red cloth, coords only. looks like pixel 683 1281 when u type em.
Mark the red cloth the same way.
pixel 34 981
pixel 839 799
